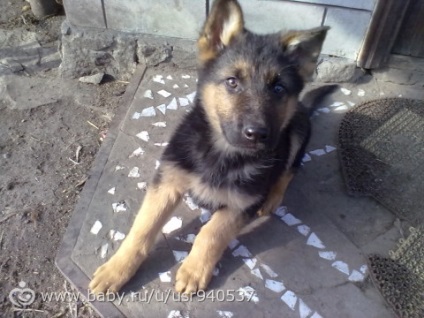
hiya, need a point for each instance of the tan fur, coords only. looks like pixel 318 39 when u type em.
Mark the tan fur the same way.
pixel 306 45
pixel 220 29
pixel 214 237
pixel 157 206
pixel 276 195
pixel 287 111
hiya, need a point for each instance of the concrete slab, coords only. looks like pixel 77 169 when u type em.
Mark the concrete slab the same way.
pixel 285 15
pixel 346 24
pixel 360 4
pixel 308 260
pixel 84 13
pixel 180 19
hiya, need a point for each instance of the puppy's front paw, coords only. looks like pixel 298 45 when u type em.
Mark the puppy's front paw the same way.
pixel 193 276
pixel 112 275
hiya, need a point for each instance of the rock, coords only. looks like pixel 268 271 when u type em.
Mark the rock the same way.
pixel 7 65
pixel 337 70
pixel 92 79
pixel 154 55
pixel 19 92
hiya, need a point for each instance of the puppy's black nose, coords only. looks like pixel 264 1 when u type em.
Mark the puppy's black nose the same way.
pixel 256 134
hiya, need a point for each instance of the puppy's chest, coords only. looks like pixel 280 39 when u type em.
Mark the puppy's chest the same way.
pixel 236 187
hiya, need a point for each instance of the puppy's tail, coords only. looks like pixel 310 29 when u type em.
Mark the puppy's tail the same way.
pixel 312 99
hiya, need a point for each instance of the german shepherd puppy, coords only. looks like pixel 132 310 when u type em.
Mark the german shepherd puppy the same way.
pixel 235 152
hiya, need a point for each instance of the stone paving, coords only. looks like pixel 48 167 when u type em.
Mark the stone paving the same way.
pixel 308 260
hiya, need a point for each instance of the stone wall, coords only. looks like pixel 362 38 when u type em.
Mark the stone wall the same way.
pixel 123 21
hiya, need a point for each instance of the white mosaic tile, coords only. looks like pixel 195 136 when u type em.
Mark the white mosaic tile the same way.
pixel 143 135
pixel 269 271
pixel 242 251
pixel 161 124
pixel 341 266
pixel 137 153
pixel 142 185
pixel 290 299
pixel 346 91
pixel 134 173
pixel 119 207
pixel 172 225
pixel 165 277
pixel 158 79
pixel 103 250
pixel 275 286
pixel 148 94
pixel 97 226
pixel 148 112
pixel 180 255
pixel 172 105
pixel 314 241
pixel 183 102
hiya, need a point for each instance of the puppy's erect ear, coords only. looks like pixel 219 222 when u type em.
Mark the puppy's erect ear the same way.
pixel 304 47
pixel 224 23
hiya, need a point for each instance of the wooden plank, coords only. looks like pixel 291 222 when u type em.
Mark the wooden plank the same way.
pixel 384 27
pixel 410 40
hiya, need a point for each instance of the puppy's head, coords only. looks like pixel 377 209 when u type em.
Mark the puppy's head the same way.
pixel 248 83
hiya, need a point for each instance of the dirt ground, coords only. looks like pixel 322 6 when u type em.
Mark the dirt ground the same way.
pixel 46 151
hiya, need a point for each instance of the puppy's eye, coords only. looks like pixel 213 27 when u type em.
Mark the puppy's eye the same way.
pixel 232 82
pixel 278 89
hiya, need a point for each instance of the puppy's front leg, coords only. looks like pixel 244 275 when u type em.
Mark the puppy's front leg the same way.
pixel 276 194
pixel 160 200
pixel 214 237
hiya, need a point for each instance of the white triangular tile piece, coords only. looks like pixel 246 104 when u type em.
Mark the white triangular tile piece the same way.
pixel 269 271
pixel 180 255
pixel 134 173
pixel 306 158
pixel 183 102
pixel 328 255
pixel 137 153
pixel 257 272
pixel 318 152
pixel 191 97
pixel 143 135
pixel 314 241
pixel 172 225
pixel 346 91
pixel 164 93
pixel 275 286
pixel 158 79
pixel 290 219
pixel 205 215
pixel 136 115
pixel 148 94
pixel 103 250
pixel 281 211
pixel 162 108
pixel 148 112
pixel 303 229
pixel 341 267
pixel 304 310
pixel 329 149
pixel 290 299
pixel 165 277
pixel 242 251
pixel 172 105
pixel 356 276
pixel 250 262
pixel 97 226
pixel 161 124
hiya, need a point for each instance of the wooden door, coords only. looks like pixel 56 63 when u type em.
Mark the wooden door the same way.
pixel 410 39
